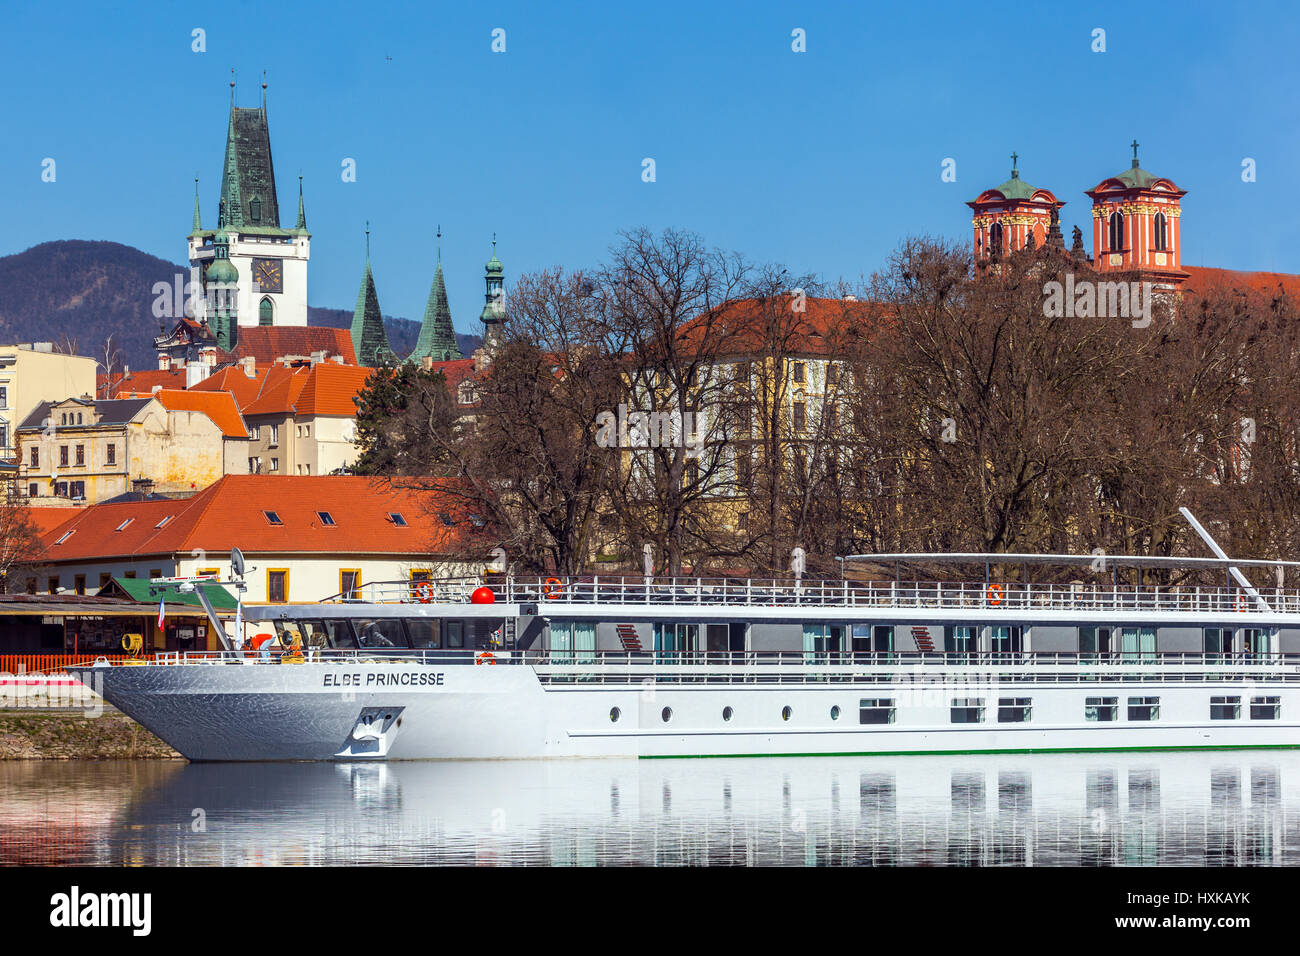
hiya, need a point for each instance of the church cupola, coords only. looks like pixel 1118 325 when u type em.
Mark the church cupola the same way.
pixel 1012 216
pixel 494 312
pixel 1135 224
pixel 221 292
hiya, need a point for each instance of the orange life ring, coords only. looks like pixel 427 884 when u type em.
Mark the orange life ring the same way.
pixel 1241 601
pixel 485 658
pixel 995 594
pixel 424 592
pixel 552 588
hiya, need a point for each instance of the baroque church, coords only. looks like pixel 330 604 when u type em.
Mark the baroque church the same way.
pixel 249 276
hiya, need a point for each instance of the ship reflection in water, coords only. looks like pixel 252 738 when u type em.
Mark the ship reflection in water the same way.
pixel 1215 808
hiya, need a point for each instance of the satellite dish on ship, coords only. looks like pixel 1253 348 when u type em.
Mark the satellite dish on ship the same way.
pixel 236 563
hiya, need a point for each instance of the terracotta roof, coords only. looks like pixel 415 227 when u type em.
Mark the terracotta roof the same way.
pixel 236 381
pixel 330 388
pixel 141 382
pixel 266 343
pixel 279 392
pixel 1202 279
pixel 46 519
pixel 231 513
pixel 736 328
pixel 218 406
pixel 455 371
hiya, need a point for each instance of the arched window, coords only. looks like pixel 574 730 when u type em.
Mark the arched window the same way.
pixel 995 239
pixel 265 312
pixel 1116 232
pixel 1162 232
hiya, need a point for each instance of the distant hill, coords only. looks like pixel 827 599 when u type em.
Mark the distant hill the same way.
pixel 78 293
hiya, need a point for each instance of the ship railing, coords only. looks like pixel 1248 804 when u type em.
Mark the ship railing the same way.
pixel 774 592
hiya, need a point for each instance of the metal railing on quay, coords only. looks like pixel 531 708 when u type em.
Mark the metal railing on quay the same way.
pixel 773 592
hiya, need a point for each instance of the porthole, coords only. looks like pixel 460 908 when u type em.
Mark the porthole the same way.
pixel 835 712
pixel 786 712
pixel 667 714
pixel 614 714
pixel 727 713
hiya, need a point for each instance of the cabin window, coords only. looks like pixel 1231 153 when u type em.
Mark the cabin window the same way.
pixel 1144 708
pixel 820 641
pixel 614 714
pixel 1094 642
pixel 666 714
pixel 868 638
pixel 787 712
pixel 727 713
pixel 835 712
pixel 964 643
pixel 1014 710
pixel 1265 708
pixel 1101 708
pixel 673 640
pixel 1005 640
pixel 967 710
pixel 1225 708
pixel 380 632
pixel 573 642
pixel 1137 644
pixel 425 631
pixel 456 634
pixel 876 710
pixel 328 633
pixel 277 586
pixel 1161 232
pixel 1215 643
pixel 1256 642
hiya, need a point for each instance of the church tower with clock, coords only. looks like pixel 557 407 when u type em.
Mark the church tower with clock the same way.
pixel 270 261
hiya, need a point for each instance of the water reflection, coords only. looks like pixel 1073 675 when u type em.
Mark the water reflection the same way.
pixel 1222 809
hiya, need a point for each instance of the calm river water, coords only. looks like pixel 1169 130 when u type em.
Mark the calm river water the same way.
pixel 1217 808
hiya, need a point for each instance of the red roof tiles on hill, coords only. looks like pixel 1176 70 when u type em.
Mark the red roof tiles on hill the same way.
pixel 232 513
pixel 218 406
pixel 266 343
pixel 1202 279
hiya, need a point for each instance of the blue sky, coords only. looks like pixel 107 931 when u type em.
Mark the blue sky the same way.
pixel 823 160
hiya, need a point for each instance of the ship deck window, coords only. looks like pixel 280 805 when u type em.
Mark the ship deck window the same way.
pixel 1225 708
pixel 786 713
pixel 835 712
pixel 1014 710
pixel 876 710
pixel 424 631
pixel 1101 708
pixel 1144 708
pixel 614 714
pixel 1265 708
pixel 727 713
pixel 666 714
pixel 967 710
pixel 381 632
pixel 329 633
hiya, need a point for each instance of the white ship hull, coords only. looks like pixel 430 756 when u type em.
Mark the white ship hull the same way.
pixel 409 711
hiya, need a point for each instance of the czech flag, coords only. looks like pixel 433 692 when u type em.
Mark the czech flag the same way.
pixel 162 606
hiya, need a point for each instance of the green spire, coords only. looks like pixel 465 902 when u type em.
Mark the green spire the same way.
pixel 302 214
pixel 248 174
pixel 369 340
pixel 437 336
pixel 493 313
pixel 198 226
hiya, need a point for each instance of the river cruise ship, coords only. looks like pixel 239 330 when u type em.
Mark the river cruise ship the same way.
pixel 510 666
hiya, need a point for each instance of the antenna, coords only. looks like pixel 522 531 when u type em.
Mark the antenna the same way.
pixel 1219 552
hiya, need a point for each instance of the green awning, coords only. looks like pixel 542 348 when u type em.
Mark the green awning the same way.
pixel 137 589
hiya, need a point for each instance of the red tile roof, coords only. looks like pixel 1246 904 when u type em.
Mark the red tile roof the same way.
pixel 46 519
pixel 330 388
pixel 218 406
pixel 1202 279
pixel 279 392
pixel 236 381
pixel 740 327
pixel 455 371
pixel 266 343
pixel 141 383
pixel 230 513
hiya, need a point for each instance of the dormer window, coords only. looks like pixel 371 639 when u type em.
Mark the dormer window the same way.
pixel 1162 232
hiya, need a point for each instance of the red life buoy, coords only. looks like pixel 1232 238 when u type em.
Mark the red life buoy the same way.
pixel 424 592
pixel 995 594
pixel 485 658
pixel 1241 601
pixel 552 588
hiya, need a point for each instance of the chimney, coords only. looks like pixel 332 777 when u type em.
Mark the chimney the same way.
pixel 142 486
pixel 155 390
pixel 850 297
pixel 195 372
pixel 249 364
pixel 164 363
pixel 317 357
pixel 337 359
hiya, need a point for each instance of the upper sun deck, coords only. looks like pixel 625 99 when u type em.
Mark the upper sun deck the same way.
pixel 987 599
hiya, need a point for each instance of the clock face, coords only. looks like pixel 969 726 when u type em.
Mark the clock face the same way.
pixel 269 274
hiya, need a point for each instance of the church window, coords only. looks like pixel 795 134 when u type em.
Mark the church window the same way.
pixel 265 312
pixel 1162 232
pixel 995 239
pixel 255 210
pixel 1116 236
